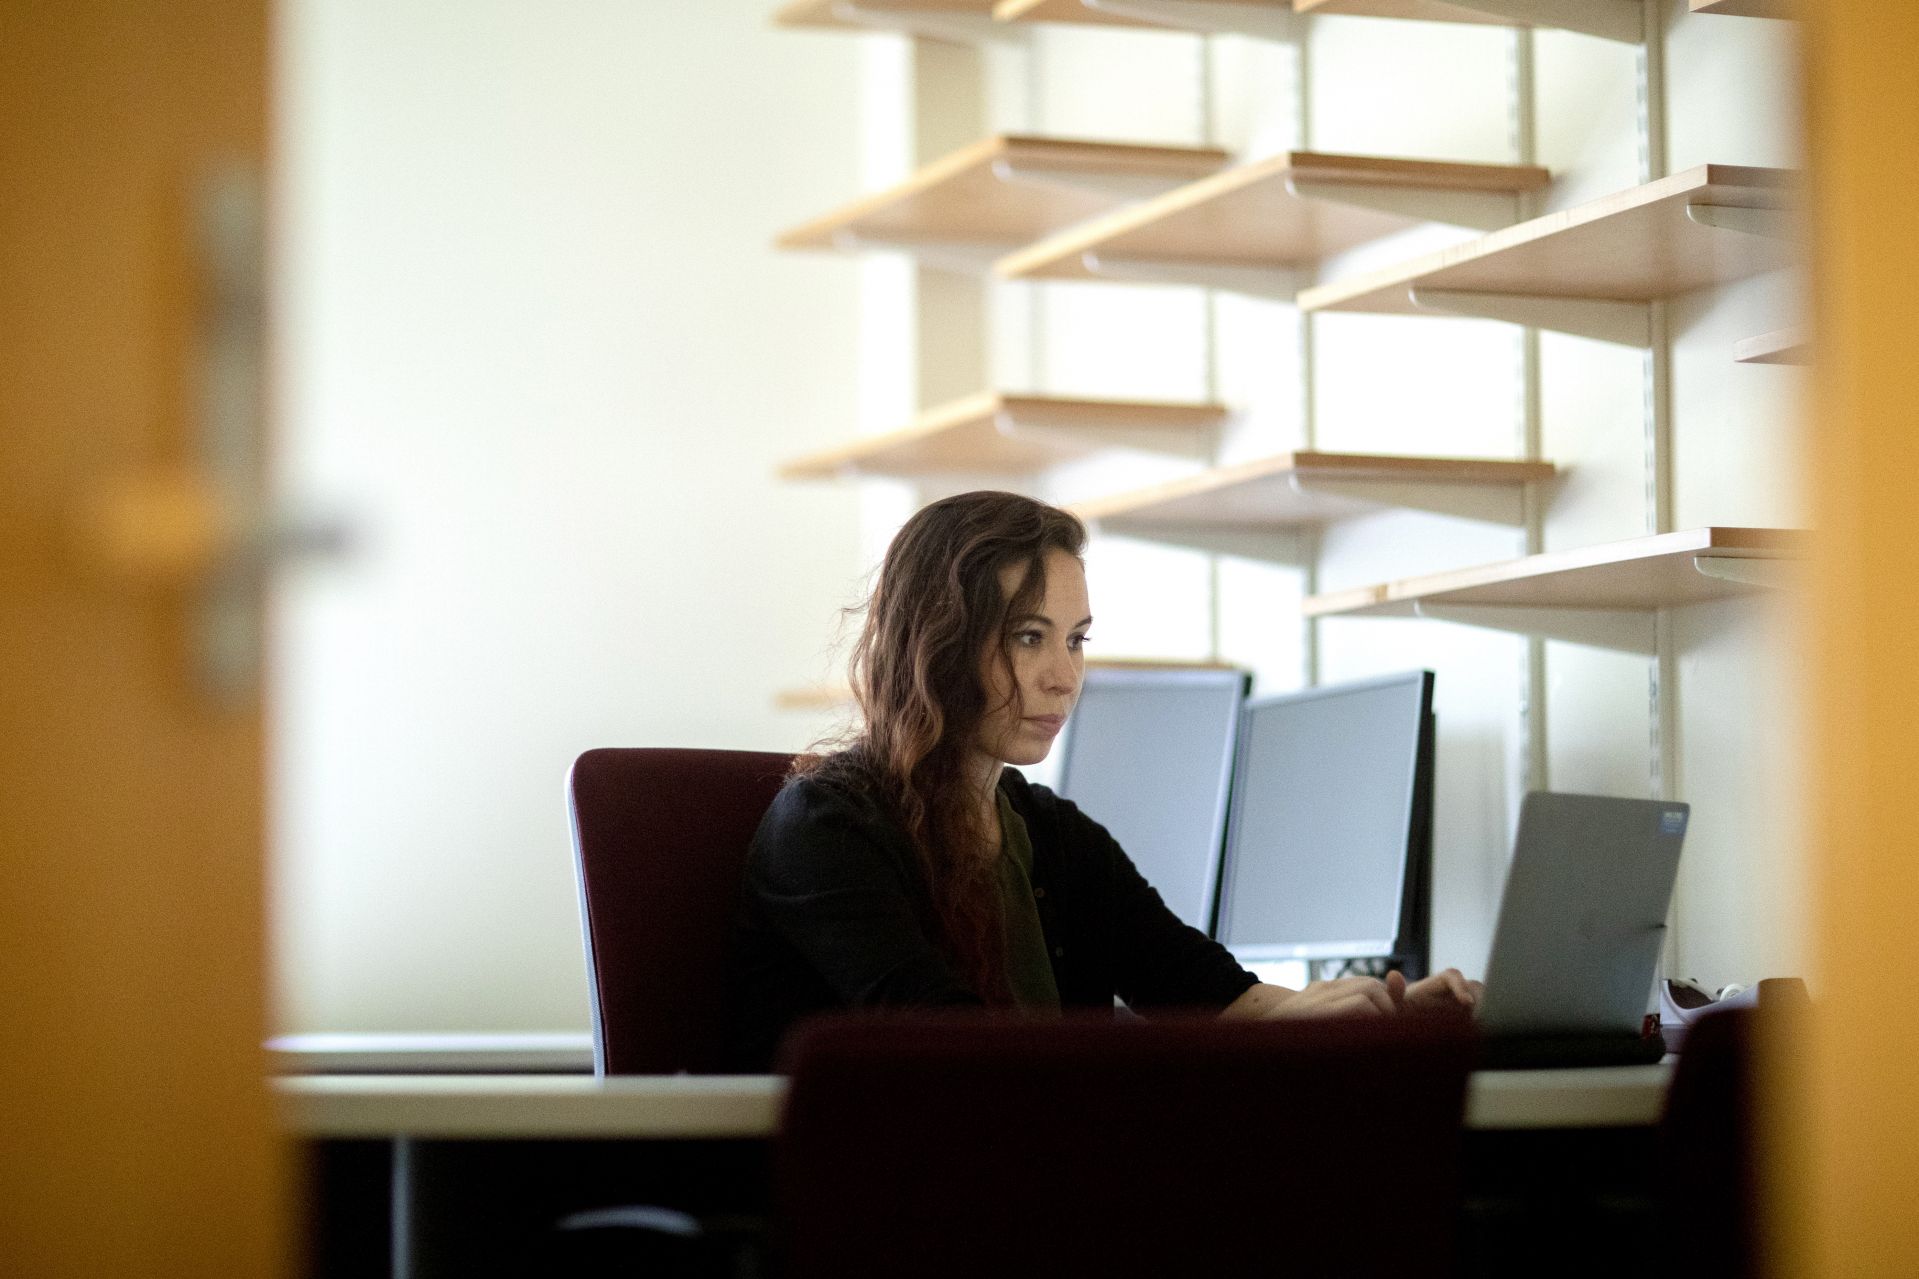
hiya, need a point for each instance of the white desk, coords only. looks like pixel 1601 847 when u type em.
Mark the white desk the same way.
pixel 403 1166
pixel 747 1106
pixel 439 1053
pixel 1589 1097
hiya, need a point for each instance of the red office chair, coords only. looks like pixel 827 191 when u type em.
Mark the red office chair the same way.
pixel 659 841
pixel 1707 1197
pixel 983 1147
pixel 1713 1223
pixel 660 838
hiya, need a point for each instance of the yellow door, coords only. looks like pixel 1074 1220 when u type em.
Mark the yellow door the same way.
pixel 135 1132
pixel 1848 1173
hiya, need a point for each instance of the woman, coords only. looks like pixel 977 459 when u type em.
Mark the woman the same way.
pixel 912 869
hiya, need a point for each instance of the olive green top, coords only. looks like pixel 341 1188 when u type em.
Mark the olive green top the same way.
pixel 1028 969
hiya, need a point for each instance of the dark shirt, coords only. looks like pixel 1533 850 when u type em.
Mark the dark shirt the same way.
pixel 1029 960
pixel 836 915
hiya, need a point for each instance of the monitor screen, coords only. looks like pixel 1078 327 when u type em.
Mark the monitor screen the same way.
pixel 1329 843
pixel 1149 756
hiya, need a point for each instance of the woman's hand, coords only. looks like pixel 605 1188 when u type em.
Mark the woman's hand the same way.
pixel 1446 991
pixel 1341 997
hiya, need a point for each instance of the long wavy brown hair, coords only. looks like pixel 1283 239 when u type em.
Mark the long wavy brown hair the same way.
pixel 935 614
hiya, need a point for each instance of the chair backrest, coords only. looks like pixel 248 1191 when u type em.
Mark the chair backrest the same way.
pixel 1708 1179
pixel 1713 1212
pixel 659 840
pixel 982 1147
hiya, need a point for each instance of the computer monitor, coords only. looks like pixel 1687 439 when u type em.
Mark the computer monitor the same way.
pixel 1149 755
pixel 1329 841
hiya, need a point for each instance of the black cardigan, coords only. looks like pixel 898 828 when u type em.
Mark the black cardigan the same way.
pixel 836 915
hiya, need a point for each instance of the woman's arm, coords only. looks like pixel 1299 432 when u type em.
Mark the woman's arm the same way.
pixel 1341 997
pixel 1164 962
pixel 1159 960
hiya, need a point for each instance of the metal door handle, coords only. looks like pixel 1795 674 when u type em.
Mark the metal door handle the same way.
pixel 204 527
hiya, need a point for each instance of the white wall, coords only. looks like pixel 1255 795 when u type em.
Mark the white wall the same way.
pixel 534 342
pixel 1434 385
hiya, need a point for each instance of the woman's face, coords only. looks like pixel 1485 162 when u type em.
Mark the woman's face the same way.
pixel 1048 664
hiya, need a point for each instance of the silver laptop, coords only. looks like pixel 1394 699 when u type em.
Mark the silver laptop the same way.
pixel 1582 922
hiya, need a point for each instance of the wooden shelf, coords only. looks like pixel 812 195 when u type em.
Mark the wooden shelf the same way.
pixel 1418 10
pixel 1269 19
pixel 973 19
pixel 1609 19
pixel 1705 226
pixel 1071 11
pixel 1016 434
pixel 1781 346
pixel 1003 192
pixel 909 16
pixel 1285 492
pixel 1782 9
pixel 1272 216
pixel 954 19
pixel 1567 594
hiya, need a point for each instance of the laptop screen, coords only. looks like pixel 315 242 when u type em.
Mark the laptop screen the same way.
pixel 1583 917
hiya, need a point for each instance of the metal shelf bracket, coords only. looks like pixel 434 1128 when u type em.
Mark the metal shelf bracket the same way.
pixel 1621 20
pixel 1270 546
pixel 1477 210
pixel 1621 630
pixel 953 28
pixel 1772 224
pixel 1600 319
pixel 1487 503
pixel 1767 574
pixel 965 257
pixel 1040 429
pixel 1125 186
pixel 1277 284
pixel 1266 21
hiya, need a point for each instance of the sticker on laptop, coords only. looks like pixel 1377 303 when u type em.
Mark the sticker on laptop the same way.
pixel 1672 822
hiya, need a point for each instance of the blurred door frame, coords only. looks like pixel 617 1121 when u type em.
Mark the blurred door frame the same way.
pixel 1843 1127
pixel 139 1136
